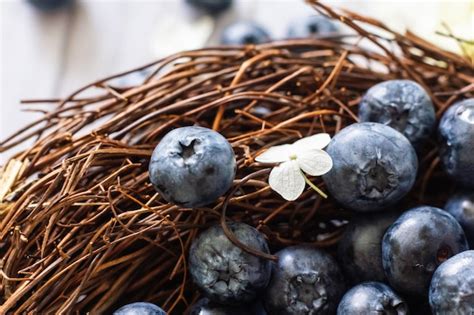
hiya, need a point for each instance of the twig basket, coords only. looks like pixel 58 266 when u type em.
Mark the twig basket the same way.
pixel 83 230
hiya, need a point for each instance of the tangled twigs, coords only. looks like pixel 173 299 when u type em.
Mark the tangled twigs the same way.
pixel 83 230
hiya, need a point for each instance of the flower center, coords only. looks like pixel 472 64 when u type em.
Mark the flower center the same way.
pixel 293 156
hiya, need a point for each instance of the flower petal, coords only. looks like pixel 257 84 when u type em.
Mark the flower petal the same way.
pixel 287 180
pixel 276 154
pixel 317 141
pixel 314 162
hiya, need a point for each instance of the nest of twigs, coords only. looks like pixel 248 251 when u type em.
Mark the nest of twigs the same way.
pixel 82 228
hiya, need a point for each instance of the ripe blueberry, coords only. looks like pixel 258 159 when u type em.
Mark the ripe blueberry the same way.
pixel 416 244
pixel 311 26
pixel 212 6
pixel 374 167
pixel 461 207
pixel 224 272
pixel 360 249
pixel 452 286
pixel 372 298
pixel 192 166
pixel 244 33
pixel 456 130
pixel 205 307
pixel 304 281
pixel 139 308
pixel 401 104
pixel 50 5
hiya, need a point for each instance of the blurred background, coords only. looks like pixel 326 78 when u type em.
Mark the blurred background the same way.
pixel 50 53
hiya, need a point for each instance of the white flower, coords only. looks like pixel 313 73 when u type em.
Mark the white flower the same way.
pixel 305 155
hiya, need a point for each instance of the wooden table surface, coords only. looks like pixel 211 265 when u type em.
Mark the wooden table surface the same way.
pixel 50 55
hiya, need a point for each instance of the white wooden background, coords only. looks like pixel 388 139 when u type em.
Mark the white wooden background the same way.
pixel 50 55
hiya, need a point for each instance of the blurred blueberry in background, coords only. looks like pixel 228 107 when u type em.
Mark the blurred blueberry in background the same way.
pixel 50 5
pixel 244 33
pixel 311 26
pixel 211 6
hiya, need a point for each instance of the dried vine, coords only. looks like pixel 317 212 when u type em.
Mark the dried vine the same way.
pixel 82 229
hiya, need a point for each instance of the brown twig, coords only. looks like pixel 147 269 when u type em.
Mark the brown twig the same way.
pixel 82 228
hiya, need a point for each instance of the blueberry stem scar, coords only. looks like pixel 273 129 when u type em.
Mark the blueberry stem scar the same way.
pixel 319 191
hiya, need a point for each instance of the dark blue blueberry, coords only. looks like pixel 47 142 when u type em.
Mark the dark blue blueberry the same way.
pixel 452 286
pixel 50 5
pixel 374 166
pixel 212 6
pixel 311 26
pixel 192 166
pixel 372 298
pixel 244 33
pixel 139 308
pixel 206 307
pixel 461 207
pixel 456 130
pixel 416 244
pixel 224 272
pixel 304 281
pixel 401 104
pixel 360 249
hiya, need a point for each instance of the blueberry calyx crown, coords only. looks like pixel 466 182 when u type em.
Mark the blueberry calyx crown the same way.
pixel 226 276
pixel 377 179
pixel 188 150
pixel 400 117
pixel 306 293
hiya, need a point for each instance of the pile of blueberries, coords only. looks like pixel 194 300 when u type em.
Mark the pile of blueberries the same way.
pixel 391 263
pixel 387 262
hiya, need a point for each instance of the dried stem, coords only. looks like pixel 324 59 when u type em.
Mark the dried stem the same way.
pixel 82 229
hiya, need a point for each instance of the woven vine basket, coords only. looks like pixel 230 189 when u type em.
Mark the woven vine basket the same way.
pixel 83 230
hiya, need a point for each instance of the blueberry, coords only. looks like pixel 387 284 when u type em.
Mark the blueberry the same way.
pixel 244 33
pixel 139 308
pixel 456 130
pixel 374 167
pixel 452 286
pixel 311 26
pixel 50 5
pixel 360 249
pixel 461 207
pixel 192 166
pixel 304 281
pixel 206 307
pixel 212 6
pixel 223 271
pixel 372 298
pixel 416 244
pixel 401 104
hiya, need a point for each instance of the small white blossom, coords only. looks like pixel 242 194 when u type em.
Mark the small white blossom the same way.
pixel 305 155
